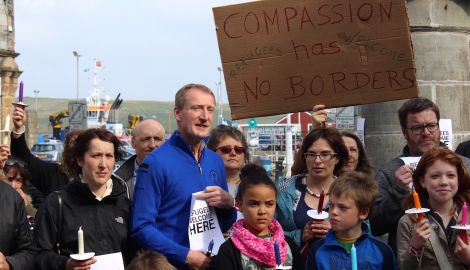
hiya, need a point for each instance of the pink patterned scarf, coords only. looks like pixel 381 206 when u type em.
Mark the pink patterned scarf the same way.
pixel 260 249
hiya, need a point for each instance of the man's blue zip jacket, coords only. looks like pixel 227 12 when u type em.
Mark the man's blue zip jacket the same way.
pixel 166 180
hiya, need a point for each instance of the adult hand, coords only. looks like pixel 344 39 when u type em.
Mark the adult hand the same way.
pixel 404 176
pixel 217 197
pixel 420 234
pixel 72 264
pixel 319 116
pixel 4 153
pixel 462 251
pixel 197 260
pixel 315 229
pixel 19 116
pixel 3 262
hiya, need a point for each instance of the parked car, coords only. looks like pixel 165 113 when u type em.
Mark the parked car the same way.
pixel 50 150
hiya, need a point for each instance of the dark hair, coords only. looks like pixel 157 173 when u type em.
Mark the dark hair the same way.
pixel 416 105
pixel 150 260
pixel 180 97
pixel 18 167
pixel 363 164
pixel 360 187
pixel 335 141
pixel 221 132
pixel 79 146
pixel 67 155
pixel 446 155
pixel 253 175
pixel 299 166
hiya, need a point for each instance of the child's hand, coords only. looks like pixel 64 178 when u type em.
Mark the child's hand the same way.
pixel 462 251
pixel 420 234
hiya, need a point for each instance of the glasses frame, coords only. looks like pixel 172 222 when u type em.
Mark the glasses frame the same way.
pixel 415 129
pixel 227 150
pixel 323 156
pixel 12 161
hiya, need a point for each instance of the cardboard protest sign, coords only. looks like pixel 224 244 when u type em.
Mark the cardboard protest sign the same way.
pixel 445 126
pixel 283 56
pixel 204 227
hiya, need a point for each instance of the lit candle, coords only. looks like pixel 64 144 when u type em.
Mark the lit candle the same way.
pixel 353 258
pixel 277 253
pixel 463 233
pixel 417 204
pixel 20 96
pixel 81 245
pixel 320 202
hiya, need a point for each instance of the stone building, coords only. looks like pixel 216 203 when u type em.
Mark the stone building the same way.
pixel 440 31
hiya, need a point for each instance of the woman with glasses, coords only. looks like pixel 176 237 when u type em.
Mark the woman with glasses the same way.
pixel 16 175
pixel 231 145
pixel 95 202
pixel 324 155
pixel 358 160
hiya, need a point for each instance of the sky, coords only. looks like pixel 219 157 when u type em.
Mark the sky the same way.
pixel 149 48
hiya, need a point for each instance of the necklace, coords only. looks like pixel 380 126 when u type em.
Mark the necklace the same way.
pixel 314 194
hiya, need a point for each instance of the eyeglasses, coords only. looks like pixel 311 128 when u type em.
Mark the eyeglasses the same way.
pixel 419 129
pixel 13 161
pixel 228 149
pixel 325 156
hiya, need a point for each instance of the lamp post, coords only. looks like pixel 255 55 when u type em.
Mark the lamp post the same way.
pixel 77 55
pixel 219 97
pixel 36 92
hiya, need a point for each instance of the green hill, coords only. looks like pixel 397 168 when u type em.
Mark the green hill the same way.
pixel 159 110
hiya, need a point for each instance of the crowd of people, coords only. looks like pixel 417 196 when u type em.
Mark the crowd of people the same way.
pixel 142 210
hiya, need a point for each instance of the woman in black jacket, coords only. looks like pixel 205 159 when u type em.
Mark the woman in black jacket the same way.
pixel 94 201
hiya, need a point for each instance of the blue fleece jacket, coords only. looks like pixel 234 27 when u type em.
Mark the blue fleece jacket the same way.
pixel 166 180
pixel 372 253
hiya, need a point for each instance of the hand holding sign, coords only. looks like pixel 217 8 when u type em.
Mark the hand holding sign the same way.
pixel 319 116
pixel 216 197
pixel 404 176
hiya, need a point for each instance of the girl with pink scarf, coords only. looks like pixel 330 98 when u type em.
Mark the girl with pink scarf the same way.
pixel 252 243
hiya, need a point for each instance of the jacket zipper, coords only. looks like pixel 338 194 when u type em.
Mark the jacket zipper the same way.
pixel 200 169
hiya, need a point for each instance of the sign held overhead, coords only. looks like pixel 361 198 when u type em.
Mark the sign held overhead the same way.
pixel 283 56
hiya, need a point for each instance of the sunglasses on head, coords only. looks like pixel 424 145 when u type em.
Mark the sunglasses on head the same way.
pixel 228 149
pixel 13 161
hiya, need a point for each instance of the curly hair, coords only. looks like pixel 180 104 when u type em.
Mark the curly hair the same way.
pixel 76 148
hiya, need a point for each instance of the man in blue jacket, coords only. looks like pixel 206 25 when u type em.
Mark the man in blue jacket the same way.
pixel 169 176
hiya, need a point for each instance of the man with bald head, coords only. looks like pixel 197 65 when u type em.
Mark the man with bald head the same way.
pixel 146 137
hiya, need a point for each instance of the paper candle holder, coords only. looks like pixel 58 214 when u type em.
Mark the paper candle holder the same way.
pixel 313 213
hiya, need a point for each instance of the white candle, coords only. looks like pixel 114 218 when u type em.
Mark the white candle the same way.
pixel 6 130
pixel 7 123
pixel 81 245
